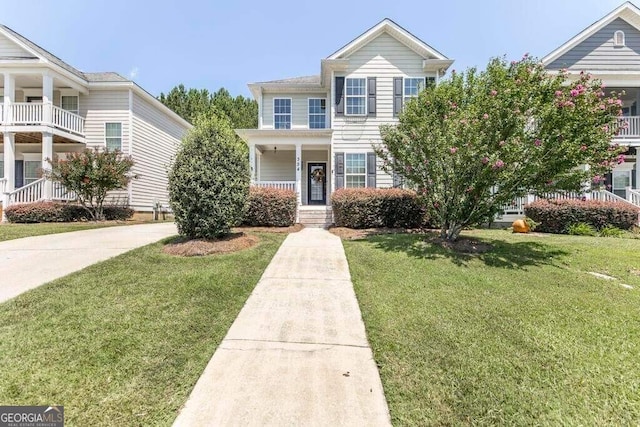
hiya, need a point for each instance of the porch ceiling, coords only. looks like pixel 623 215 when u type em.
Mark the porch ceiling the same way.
pixel 291 147
pixel 36 138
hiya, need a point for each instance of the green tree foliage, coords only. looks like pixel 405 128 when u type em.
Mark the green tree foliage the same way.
pixel 480 139
pixel 189 104
pixel 91 174
pixel 209 179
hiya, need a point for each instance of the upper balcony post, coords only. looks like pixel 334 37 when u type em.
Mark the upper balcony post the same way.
pixel 252 162
pixel 47 98
pixel 9 96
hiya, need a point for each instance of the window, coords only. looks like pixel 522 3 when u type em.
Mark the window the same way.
pixel 31 171
pixel 70 103
pixel 412 87
pixel 355 170
pixel 282 113
pixel 356 97
pixel 317 113
pixel 618 38
pixel 621 180
pixel 113 136
pixel 1 169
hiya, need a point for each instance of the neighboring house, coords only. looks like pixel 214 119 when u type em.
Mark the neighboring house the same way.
pixel 609 49
pixel 48 108
pixel 315 133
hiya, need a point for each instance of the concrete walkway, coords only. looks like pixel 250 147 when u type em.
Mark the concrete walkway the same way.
pixel 30 262
pixel 297 354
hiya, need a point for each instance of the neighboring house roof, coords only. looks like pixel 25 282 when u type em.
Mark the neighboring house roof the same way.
pixel 304 80
pixel 104 77
pixel 627 11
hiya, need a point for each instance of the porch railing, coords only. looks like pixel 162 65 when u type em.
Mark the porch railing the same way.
pixel 28 113
pixel 280 185
pixel 67 120
pixel 29 193
pixel 629 127
pixel 633 196
pixel 60 192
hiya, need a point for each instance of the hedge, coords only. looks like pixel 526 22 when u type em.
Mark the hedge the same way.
pixel 377 207
pixel 556 216
pixel 271 207
pixel 60 212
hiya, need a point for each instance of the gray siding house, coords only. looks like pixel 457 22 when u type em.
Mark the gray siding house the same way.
pixel 49 108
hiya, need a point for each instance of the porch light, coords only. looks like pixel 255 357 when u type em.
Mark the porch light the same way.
pixel 275 149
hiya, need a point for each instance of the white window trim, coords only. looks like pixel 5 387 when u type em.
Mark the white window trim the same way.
pixel 315 114
pixel 346 97
pixel 356 174
pixel 406 97
pixel 282 114
pixel 620 172
pixel 615 38
pixel 121 134
pixel 71 111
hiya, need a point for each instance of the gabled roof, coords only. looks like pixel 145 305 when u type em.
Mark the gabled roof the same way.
pixel 394 30
pixel 627 11
pixel 304 80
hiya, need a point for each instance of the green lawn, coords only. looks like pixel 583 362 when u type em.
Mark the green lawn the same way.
pixel 124 341
pixel 521 335
pixel 18 231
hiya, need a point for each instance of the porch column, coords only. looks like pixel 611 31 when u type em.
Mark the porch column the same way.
pixel 252 161
pixel 9 169
pixel 299 173
pixel 637 168
pixel 9 96
pixel 330 187
pixel 47 98
pixel 47 153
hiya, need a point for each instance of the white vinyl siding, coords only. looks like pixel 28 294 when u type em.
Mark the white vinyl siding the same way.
pixel 279 165
pixel 356 96
pixel 113 136
pixel 10 49
pixel 282 113
pixel 355 170
pixel 299 109
pixel 100 107
pixel 317 113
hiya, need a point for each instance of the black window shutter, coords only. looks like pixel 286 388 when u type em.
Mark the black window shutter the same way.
pixel 371 170
pixel 397 96
pixel 339 101
pixel 608 181
pixel 397 181
pixel 19 173
pixel 634 181
pixel 371 98
pixel 339 166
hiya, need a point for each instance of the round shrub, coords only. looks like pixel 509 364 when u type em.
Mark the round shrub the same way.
pixel 271 207
pixel 209 180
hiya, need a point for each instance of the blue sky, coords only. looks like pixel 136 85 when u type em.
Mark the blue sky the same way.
pixel 210 44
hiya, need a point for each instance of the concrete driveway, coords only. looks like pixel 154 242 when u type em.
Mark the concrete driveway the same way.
pixel 33 261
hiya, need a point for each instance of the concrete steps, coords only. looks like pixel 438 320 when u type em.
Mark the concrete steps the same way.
pixel 315 216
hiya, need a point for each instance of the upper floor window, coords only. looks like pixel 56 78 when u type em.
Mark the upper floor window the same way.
pixel 412 87
pixel 113 136
pixel 356 96
pixel 70 103
pixel 317 113
pixel 618 38
pixel 355 170
pixel 282 113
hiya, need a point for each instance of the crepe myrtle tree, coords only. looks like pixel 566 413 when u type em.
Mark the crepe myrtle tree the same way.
pixel 91 174
pixel 480 139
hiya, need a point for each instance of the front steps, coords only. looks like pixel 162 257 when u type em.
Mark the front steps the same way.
pixel 315 216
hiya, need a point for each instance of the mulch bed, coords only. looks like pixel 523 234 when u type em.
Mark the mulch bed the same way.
pixel 355 234
pixel 200 247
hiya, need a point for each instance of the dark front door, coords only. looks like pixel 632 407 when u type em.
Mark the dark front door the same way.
pixel 317 183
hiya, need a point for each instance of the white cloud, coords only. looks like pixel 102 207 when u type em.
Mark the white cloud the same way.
pixel 134 73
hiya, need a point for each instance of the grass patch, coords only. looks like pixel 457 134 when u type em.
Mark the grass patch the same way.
pixel 18 231
pixel 520 335
pixel 124 341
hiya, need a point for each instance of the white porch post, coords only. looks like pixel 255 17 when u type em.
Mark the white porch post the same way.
pixel 638 165
pixel 9 170
pixel 47 153
pixel 47 98
pixel 299 173
pixel 329 174
pixel 9 96
pixel 252 161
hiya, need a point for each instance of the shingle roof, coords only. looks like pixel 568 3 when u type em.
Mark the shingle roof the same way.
pixel 304 80
pixel 104 77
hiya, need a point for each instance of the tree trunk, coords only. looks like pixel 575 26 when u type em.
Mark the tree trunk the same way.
pixel 450 232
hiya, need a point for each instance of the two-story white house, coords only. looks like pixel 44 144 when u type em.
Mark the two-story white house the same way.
pixel 49 108
pixel 315 133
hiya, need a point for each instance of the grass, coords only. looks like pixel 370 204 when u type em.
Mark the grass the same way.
pixel 521 335
pixel 124 341
pixel 18 231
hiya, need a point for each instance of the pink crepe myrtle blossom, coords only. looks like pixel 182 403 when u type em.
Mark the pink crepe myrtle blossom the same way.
pixel 597 179
pixel 485 116
pixel 537 143
pixel 559 93
pixel 453 150
pixel 485 160
pixel 498 164
pixel 574 92
pixel 494 92
pixel 501 143
pixel 583 148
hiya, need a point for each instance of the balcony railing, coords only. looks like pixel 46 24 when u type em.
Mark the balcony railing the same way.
pixel 32 114
pixel 629 127
pixel 280 185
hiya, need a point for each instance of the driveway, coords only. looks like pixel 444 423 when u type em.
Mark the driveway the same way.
pixel 33 261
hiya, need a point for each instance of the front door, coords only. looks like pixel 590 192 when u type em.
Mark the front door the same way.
pixel 317 183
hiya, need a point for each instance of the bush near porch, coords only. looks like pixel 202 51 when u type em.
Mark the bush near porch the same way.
pixel 556 216
pixel 271 207
pixel 61 212
pixel 377 207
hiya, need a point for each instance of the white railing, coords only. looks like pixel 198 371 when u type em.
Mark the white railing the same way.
pixel 26 113
pixel 60 192
pixel 629 127
pixel 606 196
pixel 280 185
pixel 633 196
pixel 29 193
pixel 67 120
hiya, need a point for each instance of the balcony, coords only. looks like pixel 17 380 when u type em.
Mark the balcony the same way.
pixel 629 128
pixel 41 114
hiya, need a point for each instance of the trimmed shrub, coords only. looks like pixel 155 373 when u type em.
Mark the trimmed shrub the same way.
pixel 61 212
pixel 209 180
pixel 377 207
pixel 555 216
pixel 271 207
